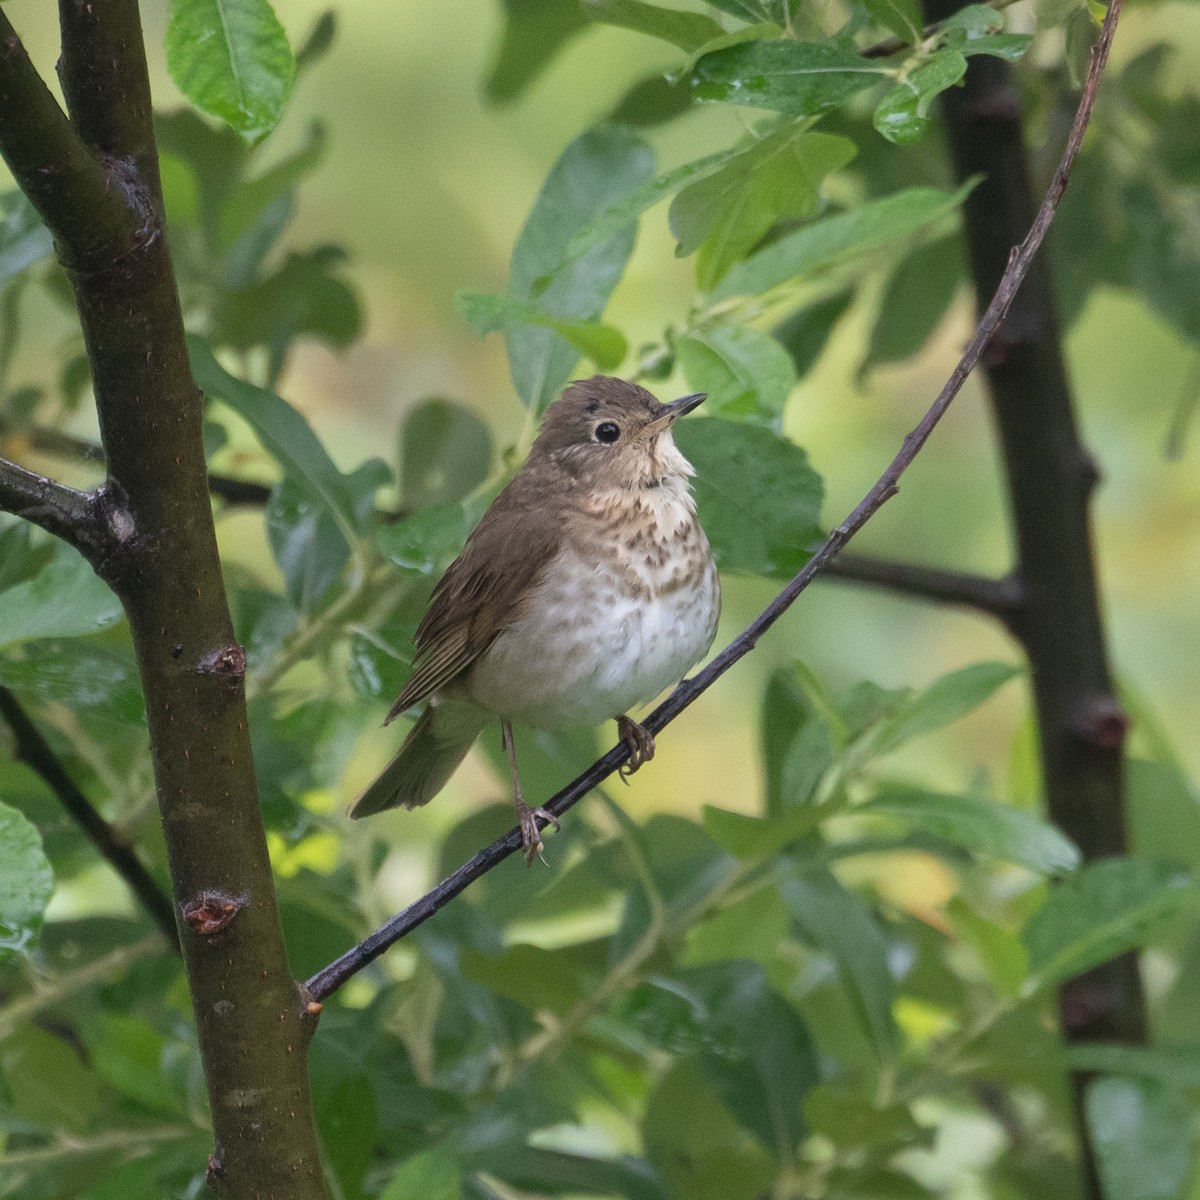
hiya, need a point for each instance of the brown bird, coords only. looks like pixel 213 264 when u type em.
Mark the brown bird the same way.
pixel 587 588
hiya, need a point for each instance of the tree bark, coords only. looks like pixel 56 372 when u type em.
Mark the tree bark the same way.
pixel 150 535
pixel 1050 478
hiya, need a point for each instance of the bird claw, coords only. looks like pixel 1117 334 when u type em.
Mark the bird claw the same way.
pixel 531 835
pixel 641 746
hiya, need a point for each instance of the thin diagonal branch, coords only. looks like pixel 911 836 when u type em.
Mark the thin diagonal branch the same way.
pixel 325 982
pixel 36 753
pixel 58 509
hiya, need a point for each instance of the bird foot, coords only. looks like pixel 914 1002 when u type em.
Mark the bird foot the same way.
pixel 531 835
pixel 640 742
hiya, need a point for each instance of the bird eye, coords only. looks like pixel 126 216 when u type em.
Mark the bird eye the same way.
pixel 607 432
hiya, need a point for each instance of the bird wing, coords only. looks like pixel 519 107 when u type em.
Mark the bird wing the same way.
pixel 475 600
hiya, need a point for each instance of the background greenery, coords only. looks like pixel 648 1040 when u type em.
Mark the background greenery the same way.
pixel 674 1008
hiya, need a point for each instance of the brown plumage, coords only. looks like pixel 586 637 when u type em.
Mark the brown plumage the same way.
pixel 587 587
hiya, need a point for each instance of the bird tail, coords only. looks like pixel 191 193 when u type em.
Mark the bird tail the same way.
pixel 431 753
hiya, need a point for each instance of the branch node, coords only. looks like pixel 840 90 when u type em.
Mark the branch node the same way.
pixel 1102 721
pixel 210 912
pixel 226 662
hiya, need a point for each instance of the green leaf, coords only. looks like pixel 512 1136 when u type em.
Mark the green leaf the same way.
pixel 916 298
pixel 133 1057
pixel 688 31
pixel 836 240
pixel 902 116
pixel 853 1120
pixel 26 883
pixel 975 30
pixel 902 17
pixel 445 453
pixel 946 700
pixel 307 543
pixel 745 836
pixel 47 1082
pixel 426 541
pixel 302 298
pixel 379 661
pixel 778 12
pixel 288 438
pixel 839 922
pixel 757 496
pixel 1106 908
pixel 248 199
pixel 66 598
pixel 752 928
pixel 534 32
pixel 231 58
pixel 637 200
pixel 999 949
pixel 78 674
pixel 801 78
pixel 549 1172
pixel 23 238
pixel 431 1175
pixel 1141 1131
pixel 653 101
pixel 529 975
pixel 799 736
pixel 319 41
pixel 746 373
pixel 605 346
pixel 727 213
pixel 594 172
pixel 994 830
pixel 751 1044
pixel 806 332
pixel 696 1144
pixel 1176 1065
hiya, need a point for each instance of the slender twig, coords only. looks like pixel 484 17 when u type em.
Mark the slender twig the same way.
pixel 58 509
pixel 33 750
pixel 325 982
pixel 112 1145
pixel 1000 598
pixel 27 1006
pixel 66 445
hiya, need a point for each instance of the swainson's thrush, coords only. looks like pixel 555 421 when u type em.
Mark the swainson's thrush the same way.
pixel 587 588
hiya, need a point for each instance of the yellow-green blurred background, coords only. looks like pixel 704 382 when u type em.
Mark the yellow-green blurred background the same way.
pixel 427 185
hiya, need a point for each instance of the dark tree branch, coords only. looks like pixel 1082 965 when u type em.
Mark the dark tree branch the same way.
pixel 37 754
pixel 325 982
pixel 58 509
pixel 82 199
pixel 97 189
pixel 1050 480
pixel 66 445
pixel 1000 598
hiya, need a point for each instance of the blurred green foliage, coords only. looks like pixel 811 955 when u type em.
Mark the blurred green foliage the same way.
pixel 711 1002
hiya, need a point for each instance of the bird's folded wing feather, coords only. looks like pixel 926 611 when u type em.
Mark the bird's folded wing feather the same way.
pixel 479 594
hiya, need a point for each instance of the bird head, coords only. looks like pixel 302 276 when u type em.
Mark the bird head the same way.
pixel 613 434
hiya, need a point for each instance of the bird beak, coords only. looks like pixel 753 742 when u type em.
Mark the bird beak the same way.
pixel 672 412
pixel 685 404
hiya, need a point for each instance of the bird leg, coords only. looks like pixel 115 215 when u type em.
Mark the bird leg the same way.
pixel 531 836
pixel 640 742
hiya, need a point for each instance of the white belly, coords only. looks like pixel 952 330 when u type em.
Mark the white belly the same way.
pixel 593 642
